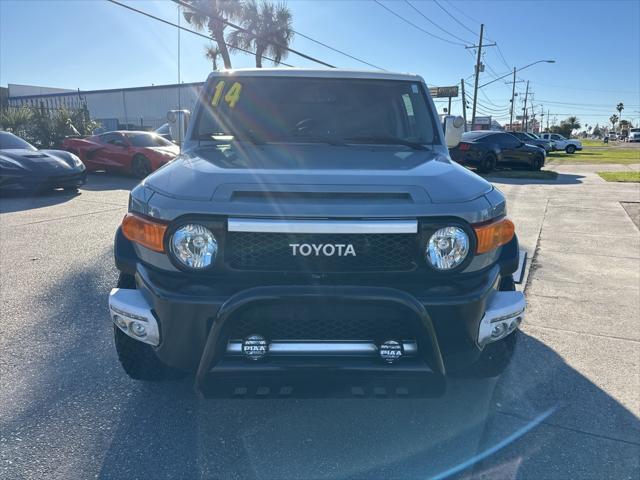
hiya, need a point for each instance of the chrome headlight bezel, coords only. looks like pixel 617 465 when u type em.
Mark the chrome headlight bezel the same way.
pixel 182 233
pixel 466 234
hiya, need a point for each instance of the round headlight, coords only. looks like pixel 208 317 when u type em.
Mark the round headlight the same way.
pixel 447 248
pixel 194 246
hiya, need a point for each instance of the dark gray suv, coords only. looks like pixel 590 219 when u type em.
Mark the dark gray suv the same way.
pixel 315 222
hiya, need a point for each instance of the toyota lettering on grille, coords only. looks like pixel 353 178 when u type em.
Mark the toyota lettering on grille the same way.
pixel 323 249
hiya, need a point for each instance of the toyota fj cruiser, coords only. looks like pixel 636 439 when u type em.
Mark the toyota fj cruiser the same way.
pixel 314 222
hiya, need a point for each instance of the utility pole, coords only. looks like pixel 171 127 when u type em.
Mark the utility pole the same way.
pixel 541 119
pixel 475 86
pixel 524 110
pixel 513 94
pixel 464 104
pixel 547 119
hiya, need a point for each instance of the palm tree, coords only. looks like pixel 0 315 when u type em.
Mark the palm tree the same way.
pixel 209 15
pixel 268 30
pixel 613 119
pixel 212 53
pixel 15 119
pixel 620 107
pixel 572 123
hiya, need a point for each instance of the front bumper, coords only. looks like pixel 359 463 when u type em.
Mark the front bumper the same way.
pixel 32 182
pixel 195 319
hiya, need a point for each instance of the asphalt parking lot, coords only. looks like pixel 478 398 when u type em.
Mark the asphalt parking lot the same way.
pixel 568 407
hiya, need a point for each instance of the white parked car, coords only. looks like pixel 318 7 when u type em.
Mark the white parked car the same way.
pixel 634 135
pixel 569 145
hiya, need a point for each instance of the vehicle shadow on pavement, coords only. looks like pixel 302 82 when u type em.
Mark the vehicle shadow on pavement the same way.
pixel 561 179
pixel 100 181
pixel 18 200
pixel 78 416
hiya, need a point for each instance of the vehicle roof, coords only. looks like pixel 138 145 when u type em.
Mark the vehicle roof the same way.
pixel 475 134
pixel 126 132
pixel 317 73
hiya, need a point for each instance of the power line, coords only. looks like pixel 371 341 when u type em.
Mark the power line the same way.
pixel 416 26
pixel 336 50
pixel 504 60
pixel 603 105
pixel 454 18
pixel 252 34
pixel 587 89
pixel 451 4
pixel 484 94
pixel 189 30
pixel 434 23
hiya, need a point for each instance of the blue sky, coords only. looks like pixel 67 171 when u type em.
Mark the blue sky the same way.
pixel 93 44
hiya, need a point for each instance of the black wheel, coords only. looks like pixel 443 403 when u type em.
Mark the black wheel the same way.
pixel 488 163
pixel 537 163
pixel 138 359
pixel 494 359
pixel 570 149
pixel 507 284
pixel 141 166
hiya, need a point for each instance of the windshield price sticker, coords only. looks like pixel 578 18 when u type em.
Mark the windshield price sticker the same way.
pixel 232 96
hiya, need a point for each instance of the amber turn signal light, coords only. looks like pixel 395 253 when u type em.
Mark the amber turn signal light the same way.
pixel 493 235
pixel 143 231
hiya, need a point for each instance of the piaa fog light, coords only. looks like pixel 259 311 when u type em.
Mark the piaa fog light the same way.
pixel 447 248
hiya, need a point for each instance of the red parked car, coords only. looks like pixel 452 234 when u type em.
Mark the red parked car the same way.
pixel 138 153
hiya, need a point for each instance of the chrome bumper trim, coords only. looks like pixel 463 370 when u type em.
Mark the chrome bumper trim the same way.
pixel 505 313
pixel 127 306
pixel 518 275
pixel 322 226
pixel 319 348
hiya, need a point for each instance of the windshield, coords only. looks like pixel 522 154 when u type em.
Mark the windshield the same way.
pixel 318 110
pixel 9 141
pixel 147 140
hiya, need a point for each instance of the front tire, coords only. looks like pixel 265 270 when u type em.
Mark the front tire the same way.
pixel 495 358
pixel 140 166
pixel 570 149
pixel 138 359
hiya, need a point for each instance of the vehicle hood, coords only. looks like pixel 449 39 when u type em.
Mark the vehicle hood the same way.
pixel 168 150
pixel 223 172
pixel 40 161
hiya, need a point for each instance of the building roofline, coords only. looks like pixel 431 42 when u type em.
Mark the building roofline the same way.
pixel 108 90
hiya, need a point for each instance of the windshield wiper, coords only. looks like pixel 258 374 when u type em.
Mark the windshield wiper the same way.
pixel 321 139
pixel 387 141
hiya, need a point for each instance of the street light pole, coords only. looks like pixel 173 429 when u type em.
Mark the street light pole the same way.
pixel 517 70
pixel 513 94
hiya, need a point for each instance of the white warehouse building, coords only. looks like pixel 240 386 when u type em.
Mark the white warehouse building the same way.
pixel 139 108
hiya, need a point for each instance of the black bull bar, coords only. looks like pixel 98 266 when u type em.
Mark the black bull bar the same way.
pixel 215 346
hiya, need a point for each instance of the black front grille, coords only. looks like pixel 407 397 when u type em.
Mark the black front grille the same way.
pixel 274 252
pixel 316 320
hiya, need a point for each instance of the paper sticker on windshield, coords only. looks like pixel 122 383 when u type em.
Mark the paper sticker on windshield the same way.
pixel 414 88
pixel 232 96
